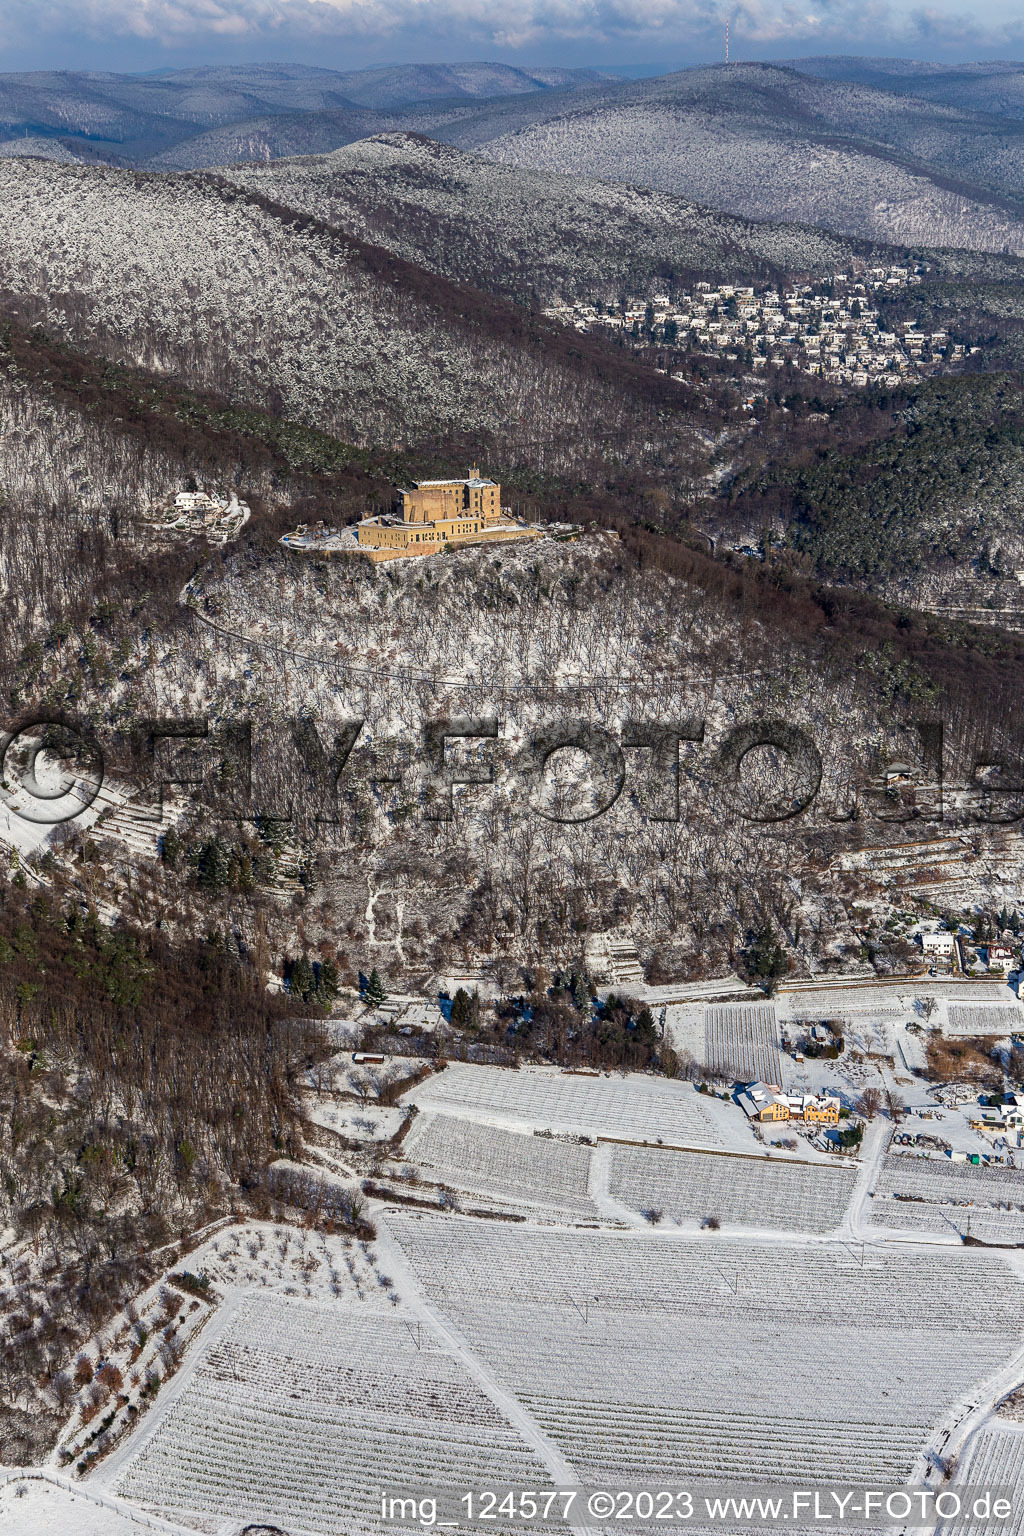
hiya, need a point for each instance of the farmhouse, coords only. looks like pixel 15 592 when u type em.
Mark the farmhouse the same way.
pixel 764 1103
pixel 440 514
pixel 818 1109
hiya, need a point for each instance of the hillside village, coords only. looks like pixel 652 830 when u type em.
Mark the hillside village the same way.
pixel 832 329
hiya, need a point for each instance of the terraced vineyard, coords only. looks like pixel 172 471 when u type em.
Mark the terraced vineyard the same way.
pixel 635 1107
pixel 741 1042
pixel 739 1191
pixel 984 1019
pixel 516 1168
pixel 653 1351
pixel 299 1415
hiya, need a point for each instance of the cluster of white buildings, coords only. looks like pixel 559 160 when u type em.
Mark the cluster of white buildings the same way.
pixel 832 328
pixel 996 956
pixel 217 518
pixel 1007 1116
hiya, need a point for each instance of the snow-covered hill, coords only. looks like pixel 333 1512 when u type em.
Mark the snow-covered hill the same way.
pixel 769 143
pixel 137 117
pixel 534 235
pixel 193 277
pixel 995 86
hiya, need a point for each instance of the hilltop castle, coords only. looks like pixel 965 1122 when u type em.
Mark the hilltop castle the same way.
pixel 438 514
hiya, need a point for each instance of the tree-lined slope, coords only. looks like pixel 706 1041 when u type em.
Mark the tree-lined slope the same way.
pixel 531 234
pixel 771 143
pixel 273 308
pixel 995 87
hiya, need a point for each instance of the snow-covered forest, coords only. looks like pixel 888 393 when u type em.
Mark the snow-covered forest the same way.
pixel 233 294
pixel 490 805
pixel 559 235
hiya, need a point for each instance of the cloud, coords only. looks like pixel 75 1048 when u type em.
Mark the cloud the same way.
pixel 504 25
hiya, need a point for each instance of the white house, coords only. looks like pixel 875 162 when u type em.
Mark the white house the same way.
pixel 1000 957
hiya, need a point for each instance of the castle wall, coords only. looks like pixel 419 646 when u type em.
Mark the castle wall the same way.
pixel 491 535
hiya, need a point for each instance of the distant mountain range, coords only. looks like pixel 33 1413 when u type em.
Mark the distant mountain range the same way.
pixel 769 142
pixel 876 150
pixel 134 118
pixel 995 88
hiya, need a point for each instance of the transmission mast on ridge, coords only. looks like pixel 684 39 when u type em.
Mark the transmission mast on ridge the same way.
pixel 727 39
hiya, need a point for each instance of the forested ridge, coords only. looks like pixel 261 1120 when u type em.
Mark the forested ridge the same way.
pixel 144 1089
pixel 933 481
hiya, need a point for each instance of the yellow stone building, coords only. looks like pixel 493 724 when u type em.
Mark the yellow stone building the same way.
pixel 764 1101
pixel 822 1109
pixel 437 514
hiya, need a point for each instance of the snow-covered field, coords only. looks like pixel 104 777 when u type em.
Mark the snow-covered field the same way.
pixel 520 1170
pixel 631 1107
pixel 300 1414
pixel 637 1352
pixel 738 1191
pixel 36 1507
pixel 995 1459
pixel 455 1351
pixel 887 1001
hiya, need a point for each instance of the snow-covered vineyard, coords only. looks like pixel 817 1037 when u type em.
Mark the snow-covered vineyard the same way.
pixel 639 1108
pixel 517 1355
pixel 549 1179
pixel 742 1041
pixel 951 1199
pixel 299 1416
pixel 634 1351
pixel 552 1297
pixel 689 1187
pixel 528 1172
pixel 995 1459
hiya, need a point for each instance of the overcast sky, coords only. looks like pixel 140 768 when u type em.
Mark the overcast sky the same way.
pixel 659 34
